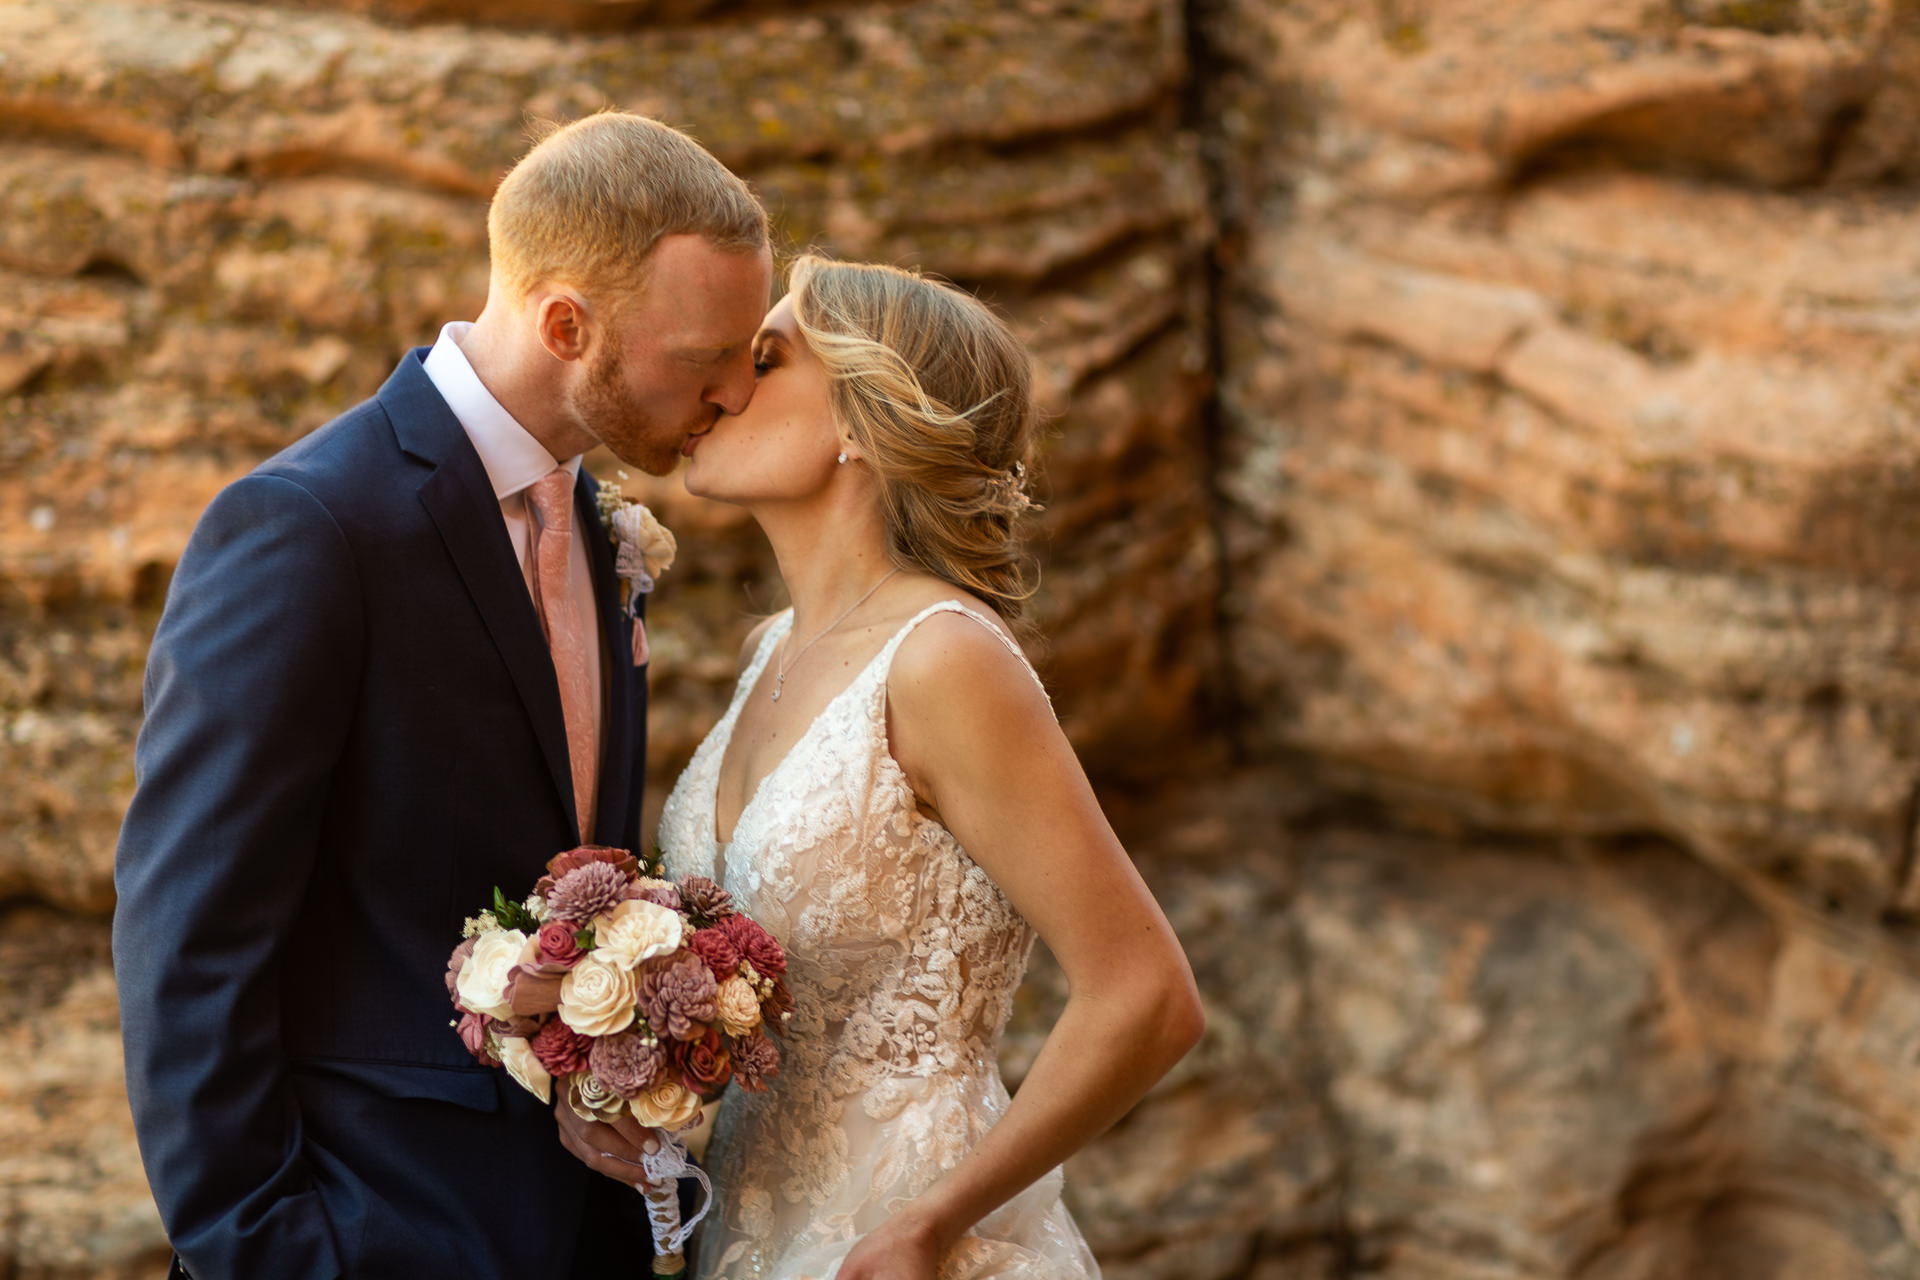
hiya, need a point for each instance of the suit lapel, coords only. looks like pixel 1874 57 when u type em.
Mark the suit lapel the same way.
pixel 459 499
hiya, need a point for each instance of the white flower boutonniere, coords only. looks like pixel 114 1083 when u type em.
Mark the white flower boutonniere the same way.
pixel 643 550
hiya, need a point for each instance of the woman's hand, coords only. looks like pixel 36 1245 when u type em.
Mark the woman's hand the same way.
pixel 898 1250
pixel 615 1150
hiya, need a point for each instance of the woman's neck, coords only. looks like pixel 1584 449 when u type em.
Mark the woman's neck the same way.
pixel 829 555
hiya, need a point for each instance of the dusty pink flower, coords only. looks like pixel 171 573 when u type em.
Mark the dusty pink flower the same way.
pixel 717 949
pixel 705 899
pixel 456 962
pixel 561 1049
pixel 585 892
pixel 514 1026
pixel 668 897
pixel 625 1063
pixel 701 1062
pixel 755 944
pixel 754 1059
pixel 473 1034
pixel 674 993
pixel 557 945
pixel 533 990
pixel 586 854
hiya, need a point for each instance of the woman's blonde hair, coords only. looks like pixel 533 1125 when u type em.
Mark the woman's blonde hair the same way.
pixel 587 204
pixel 937 395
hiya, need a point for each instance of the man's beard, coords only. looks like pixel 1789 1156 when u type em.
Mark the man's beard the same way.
pixel 633 435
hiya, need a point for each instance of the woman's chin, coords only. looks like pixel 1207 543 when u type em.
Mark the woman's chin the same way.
pixel 696 480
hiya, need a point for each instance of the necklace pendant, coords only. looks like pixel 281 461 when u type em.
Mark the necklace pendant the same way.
pixel 776 693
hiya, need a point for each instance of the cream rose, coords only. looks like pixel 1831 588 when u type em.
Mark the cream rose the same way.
pixel 668 1105
pixel 590 1098
pixel 737 1005
pixel 482 985
pixel 516 1055
pixel 634 931
pixel 596 998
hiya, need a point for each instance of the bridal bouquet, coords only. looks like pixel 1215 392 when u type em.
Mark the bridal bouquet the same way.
pixel 636 995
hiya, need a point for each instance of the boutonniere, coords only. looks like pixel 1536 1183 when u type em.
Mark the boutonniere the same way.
pixel 643 550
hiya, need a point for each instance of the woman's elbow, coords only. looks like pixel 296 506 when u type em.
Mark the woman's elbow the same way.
pixel 1186 1017
pixel 1174 1012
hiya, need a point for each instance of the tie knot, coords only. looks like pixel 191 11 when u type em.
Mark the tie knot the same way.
pixel 553 499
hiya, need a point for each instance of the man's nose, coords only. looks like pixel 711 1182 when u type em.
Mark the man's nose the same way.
pixel 734 388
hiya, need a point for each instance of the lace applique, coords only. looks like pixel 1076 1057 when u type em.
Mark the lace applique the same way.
pixel 903 959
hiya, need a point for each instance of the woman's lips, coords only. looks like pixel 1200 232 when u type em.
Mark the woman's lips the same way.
pixel 686 450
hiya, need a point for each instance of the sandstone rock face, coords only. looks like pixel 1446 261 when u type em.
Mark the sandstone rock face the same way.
pixel 1570 369
pixel 1479 548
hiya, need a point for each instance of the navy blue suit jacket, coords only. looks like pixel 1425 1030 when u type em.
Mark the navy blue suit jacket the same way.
pixel 353 733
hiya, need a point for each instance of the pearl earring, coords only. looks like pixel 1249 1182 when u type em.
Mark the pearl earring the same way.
pixel 843 457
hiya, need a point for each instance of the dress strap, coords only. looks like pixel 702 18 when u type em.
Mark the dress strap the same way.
pixel 884 662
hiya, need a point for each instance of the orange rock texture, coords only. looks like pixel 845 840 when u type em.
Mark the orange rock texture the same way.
pixel 1480 548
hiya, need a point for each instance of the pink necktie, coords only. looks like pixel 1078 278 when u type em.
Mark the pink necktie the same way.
pixel 553 597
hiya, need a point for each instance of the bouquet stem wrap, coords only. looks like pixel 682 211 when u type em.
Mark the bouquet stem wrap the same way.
pixel 665 1167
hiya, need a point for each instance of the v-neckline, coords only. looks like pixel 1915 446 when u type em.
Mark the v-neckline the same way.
pixel 720 767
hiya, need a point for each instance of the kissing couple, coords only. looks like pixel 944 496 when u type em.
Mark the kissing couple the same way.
pixel 395 671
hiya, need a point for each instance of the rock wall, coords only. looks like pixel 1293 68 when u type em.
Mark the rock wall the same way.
pixel 1568 465
pixel 1479 536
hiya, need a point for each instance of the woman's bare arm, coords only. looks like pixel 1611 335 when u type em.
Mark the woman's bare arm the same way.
pixel 978 741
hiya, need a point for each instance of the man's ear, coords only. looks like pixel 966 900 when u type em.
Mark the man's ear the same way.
pixel 564 323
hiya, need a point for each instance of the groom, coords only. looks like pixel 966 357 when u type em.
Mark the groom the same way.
pixel 392 674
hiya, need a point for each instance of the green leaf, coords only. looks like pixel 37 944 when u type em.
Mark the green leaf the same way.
pixel 513 915
pixel 583 938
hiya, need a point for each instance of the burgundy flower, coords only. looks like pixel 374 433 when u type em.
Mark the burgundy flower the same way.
pixel 754 1059
pixel 586 854
pixel 701 1062
pixel 473 1034
pixel 625 1063
pixel 705 899
pixel 675 992
pixel 775 1008
pixel 717 949
pixel 561 1049
pixel 557 945
pixel 585 892
pixel 756 944
pixel 455 963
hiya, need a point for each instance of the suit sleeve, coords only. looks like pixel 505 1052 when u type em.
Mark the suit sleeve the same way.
pixel 249 693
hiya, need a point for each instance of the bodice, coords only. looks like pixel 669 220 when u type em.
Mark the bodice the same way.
pixel 903 957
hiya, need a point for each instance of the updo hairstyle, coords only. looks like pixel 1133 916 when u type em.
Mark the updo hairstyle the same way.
pixel 937 395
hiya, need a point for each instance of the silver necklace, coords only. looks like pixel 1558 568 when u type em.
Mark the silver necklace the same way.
pixel 780 672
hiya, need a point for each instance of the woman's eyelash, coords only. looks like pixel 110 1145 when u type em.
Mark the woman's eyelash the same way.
pixel 761 366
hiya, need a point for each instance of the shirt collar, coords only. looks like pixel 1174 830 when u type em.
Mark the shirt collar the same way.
pixel 512 457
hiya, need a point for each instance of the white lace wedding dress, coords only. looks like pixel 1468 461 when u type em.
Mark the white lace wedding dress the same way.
pixel 903 958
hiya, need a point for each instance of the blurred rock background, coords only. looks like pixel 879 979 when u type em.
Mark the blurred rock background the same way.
pixel 1482 540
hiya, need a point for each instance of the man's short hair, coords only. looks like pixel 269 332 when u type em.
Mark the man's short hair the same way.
pixel 587 204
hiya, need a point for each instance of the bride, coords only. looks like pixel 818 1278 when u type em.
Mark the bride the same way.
pixel 890 795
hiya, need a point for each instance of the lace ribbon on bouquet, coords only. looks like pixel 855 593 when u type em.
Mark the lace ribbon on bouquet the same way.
pixel 665 1167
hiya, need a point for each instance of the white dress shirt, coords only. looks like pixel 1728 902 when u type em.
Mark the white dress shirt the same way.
pixel 514 460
